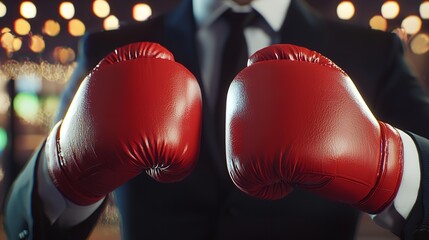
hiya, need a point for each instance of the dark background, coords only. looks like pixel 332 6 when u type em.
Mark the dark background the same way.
pixel 365 9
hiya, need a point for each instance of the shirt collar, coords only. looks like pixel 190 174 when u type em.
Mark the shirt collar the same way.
pixel 273 11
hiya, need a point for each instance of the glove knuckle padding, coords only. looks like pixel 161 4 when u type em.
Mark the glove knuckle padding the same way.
pixel 292 53
pixel 299 122
pixel 135 51
pixel 132 115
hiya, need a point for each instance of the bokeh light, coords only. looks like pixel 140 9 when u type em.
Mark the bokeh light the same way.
pixel 16 44
pixel 37 44
pixel 5 30
pixel 67 10
pixel 378 22
pixel 3 9
pixel 64 55
pixel 7 40
pixel 390 9
pixel 22 26
pixel 51 28
pixel 420 43
pixel 76 27
pixel 28 9
pixel 101 8
pixel 3 139
pixel 412 24
pixel 26 106
pixel 424 10
pixel 345 10
pixel 141 12
pixel 111 23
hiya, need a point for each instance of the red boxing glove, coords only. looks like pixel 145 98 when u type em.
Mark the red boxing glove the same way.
pixel 294 118
pixel 138 110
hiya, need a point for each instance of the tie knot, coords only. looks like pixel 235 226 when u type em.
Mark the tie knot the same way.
pixel 240 19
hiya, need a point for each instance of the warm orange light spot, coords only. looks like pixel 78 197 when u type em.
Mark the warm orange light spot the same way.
pixel 76 27
pixel 7 41
pixel 22 26
pixel 64 55
pixel 16 44
pixel 420 43
pixel 51 28
pixel 37 44
pixel 378 22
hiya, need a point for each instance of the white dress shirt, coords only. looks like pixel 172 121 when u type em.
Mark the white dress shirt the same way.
pixel 211 36
pixel 212 32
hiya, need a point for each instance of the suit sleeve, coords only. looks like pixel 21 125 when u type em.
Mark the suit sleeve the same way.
pixel 402 100
pixel 24 216
pixel 416 226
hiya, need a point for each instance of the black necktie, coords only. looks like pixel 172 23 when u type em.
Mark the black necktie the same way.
pixel 234 59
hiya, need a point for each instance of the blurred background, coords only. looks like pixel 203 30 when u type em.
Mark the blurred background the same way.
pixel 38 53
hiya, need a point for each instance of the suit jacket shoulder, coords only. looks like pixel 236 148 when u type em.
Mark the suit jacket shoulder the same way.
pixel 96 45
pixel 373 59
pixel 416 225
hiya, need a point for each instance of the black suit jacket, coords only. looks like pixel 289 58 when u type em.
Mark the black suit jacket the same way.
pixel 206 205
